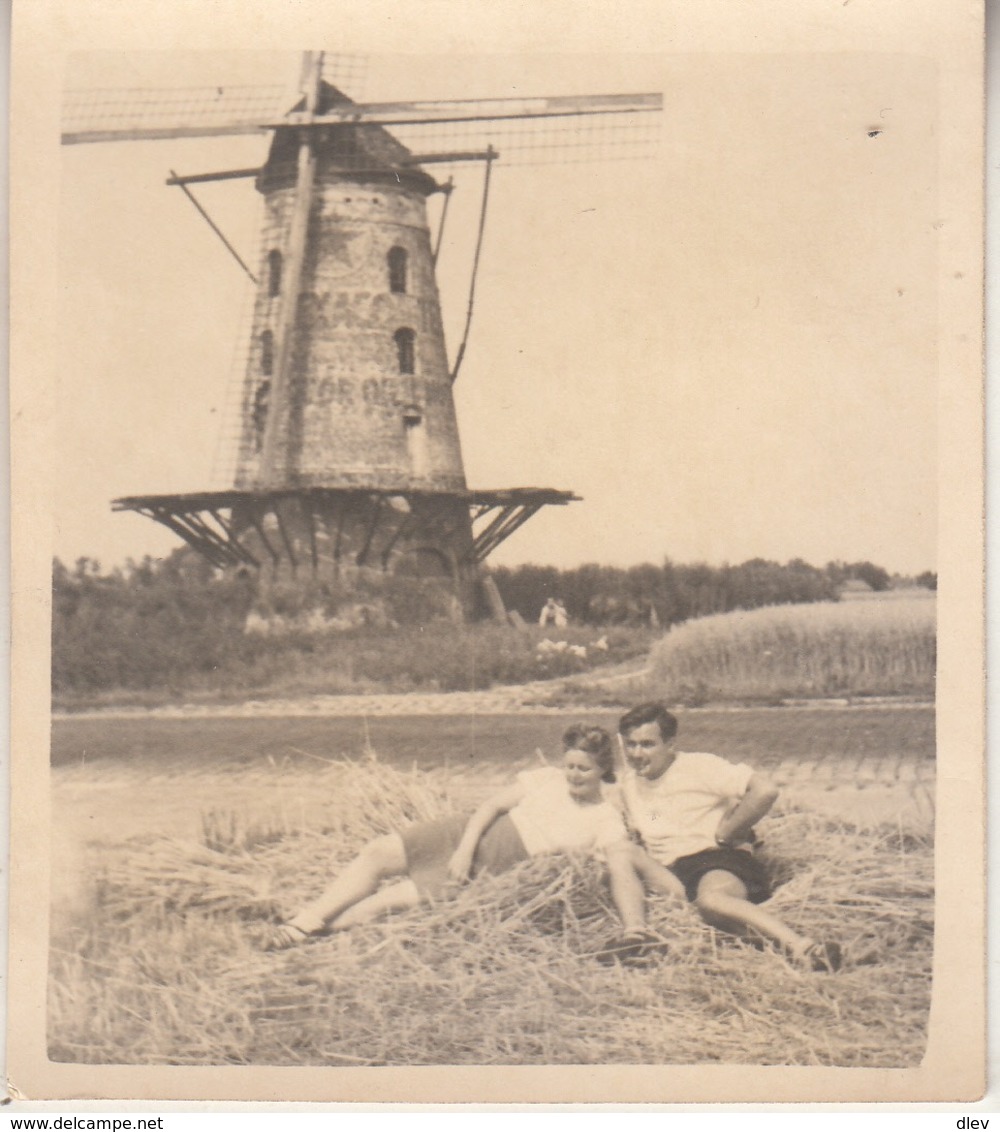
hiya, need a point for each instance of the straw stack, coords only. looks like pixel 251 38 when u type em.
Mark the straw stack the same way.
pixel 168 970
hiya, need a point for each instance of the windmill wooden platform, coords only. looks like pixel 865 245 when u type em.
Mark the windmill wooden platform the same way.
pixel 349 468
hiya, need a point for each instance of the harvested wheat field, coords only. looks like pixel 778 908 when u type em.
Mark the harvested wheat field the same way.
pixel 882 646
pixel 158 961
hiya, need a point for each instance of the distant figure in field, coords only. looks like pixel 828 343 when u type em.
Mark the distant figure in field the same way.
pixel 555 612
pixel 695 815
pixel 548 810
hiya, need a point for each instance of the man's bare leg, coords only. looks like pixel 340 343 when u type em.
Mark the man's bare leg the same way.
pixel 723 902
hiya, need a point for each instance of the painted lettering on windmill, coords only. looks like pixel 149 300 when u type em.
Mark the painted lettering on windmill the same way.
pixel 349 469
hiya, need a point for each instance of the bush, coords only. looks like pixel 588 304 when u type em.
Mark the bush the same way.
pixel 148 625
pixel 161 630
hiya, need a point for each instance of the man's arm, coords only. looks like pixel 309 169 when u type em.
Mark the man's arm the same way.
pixel 758 798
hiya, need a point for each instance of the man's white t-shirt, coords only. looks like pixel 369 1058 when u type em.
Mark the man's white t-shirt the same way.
pixel 679 812
pixel 550 821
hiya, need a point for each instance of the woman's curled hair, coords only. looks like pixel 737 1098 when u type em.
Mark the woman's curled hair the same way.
pixel 593 741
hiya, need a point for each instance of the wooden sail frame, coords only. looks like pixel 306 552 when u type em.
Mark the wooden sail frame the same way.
pixel 443 111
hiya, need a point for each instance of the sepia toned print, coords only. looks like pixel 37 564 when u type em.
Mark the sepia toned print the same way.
pixel 346 792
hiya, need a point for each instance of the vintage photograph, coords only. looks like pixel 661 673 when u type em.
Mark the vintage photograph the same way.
pixel 496 504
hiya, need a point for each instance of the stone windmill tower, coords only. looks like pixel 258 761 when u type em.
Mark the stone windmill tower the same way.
pixel 349 469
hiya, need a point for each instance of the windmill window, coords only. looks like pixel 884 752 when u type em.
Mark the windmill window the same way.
pixel 267 353
pixel 405 349
pixel 274 273
pixel 261 402
pixel 397 270
pixel 416 440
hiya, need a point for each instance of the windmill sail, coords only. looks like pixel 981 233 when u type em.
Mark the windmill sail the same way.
pixel 586 127
pixel 127 115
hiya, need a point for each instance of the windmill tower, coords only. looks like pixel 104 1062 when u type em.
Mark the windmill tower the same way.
pixel 349 468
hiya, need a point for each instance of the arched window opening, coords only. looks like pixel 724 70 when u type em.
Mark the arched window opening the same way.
pixel 405 349
pixel 267 353
pixel 274 272
pixel 397 270
pixel 261 404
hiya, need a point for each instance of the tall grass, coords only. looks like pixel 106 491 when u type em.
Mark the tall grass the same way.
pixel 859 648
pixel 165 968
pixel 438 657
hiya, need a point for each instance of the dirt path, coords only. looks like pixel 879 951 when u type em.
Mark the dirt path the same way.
pixel 610 688
pixel 563 695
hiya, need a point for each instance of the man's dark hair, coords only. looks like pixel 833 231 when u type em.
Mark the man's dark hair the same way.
pixel 649 713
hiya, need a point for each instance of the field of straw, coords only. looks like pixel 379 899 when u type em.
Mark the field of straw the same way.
pixel 160 963
pixel 851 648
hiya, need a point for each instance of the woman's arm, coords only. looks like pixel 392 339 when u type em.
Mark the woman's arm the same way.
pixel 479 823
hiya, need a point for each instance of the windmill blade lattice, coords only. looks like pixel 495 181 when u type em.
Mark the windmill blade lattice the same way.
pixel 542 141
pixel 568 135
pixel 231 424
pixel 108 114
pixel 346 71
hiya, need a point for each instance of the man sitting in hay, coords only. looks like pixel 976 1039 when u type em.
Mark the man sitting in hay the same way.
pixel 694 816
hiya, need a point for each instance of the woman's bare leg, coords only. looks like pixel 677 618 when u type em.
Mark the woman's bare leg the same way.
pixel 394 898
pixel 656 877
pixel 382 858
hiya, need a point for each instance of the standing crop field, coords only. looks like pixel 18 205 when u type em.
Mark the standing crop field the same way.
pixel 854 648
pixel 156 926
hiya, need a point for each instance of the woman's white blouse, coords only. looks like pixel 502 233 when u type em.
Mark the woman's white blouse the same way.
pixel 549 820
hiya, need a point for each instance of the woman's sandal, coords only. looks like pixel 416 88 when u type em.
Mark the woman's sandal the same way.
pixel 284 936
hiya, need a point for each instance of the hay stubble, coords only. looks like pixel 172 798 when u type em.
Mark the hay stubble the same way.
pixel 165 968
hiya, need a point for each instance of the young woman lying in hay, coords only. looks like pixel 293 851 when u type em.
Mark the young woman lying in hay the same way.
pixel 546 811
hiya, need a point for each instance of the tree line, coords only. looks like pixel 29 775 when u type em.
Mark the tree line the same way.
pixel 156 622
pixel 670 593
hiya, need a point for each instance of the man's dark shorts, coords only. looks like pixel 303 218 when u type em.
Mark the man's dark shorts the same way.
pixel 689 871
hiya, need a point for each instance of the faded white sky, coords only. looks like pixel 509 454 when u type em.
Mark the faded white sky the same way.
pixel 729 351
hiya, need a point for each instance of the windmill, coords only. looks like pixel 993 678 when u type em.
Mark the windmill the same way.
pixel 348 461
